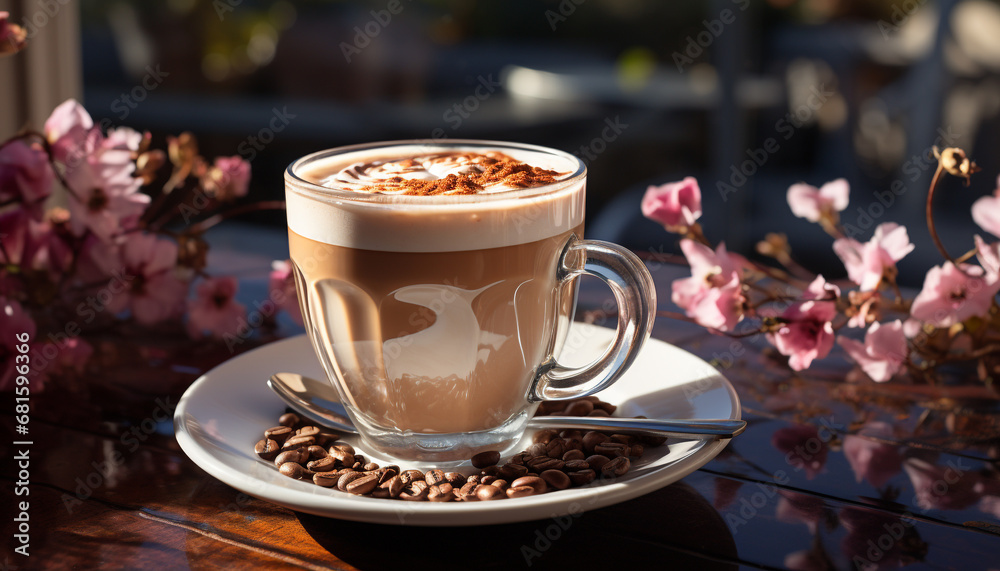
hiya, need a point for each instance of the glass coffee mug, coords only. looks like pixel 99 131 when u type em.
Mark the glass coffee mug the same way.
pixel 440 319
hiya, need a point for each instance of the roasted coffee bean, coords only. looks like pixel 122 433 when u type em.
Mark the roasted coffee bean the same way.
pixel 326 479
pixel 574 444
pixel 576 466
pixel 434 477
pixel 307 431
pixel 599 412
pixel 592 439
pixel 623 438
pixel 535 482
pixel 360 458
pixel 582 477
pixel 343 446
pixel 417 491
pixel 316 452
pixel 544 436
pixel 500 483
pixel 519 458
pixel 512 471
pixel 653 440
pixel 443 492
pixel 521 492
pixel 370 467
pixel 267 449
pixel 597 461
pixel 549 407
pixel 410 476
pixel 325 439
pixel 616 467
pixel 363 485
pixel 343 456
pixel 322 465
pixel 289 419
pixel 606 407
pixel 486 493
pixel 394 486
pixel 381 493
pixel 456 479
pixel 484 459
pixel 556 479
pixel 573 455
pixel 579 408
pixel 487 480
pixel 278 434
pixel 346 477
pixel 555 448
pixel 545 463
pixel 296 442
pixel 294 470
pixel 536 449
pixel 467 493
pixel 612 449
pixel 490 471
pixel 357 466
pixel 295 456
pixel 474 479
pixel 636 450
pixel 571 433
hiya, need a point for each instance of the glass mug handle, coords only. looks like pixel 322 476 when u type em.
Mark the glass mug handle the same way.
pixel 635 294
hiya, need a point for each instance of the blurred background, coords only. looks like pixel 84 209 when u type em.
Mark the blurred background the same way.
pixel 748 96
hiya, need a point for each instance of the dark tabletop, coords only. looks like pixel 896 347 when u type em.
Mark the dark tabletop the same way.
pixel 834 472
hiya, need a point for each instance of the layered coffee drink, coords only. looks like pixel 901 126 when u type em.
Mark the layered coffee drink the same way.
pixel 431 281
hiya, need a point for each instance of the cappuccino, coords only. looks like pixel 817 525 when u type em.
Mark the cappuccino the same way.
pixel 429 282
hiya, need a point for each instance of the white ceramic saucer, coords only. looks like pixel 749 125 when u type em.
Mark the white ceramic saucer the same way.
pixel 224 413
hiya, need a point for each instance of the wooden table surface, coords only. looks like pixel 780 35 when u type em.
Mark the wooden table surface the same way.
pixel 832 473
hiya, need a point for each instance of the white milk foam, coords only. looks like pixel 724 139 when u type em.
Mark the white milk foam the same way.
pixel 443 223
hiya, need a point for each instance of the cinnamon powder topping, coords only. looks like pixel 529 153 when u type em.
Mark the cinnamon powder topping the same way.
pixel 495 169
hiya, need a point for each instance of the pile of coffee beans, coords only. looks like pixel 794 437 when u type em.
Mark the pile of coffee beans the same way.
pixel 556 460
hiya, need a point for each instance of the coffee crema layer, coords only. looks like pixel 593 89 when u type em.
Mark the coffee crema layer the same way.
pixel 436 223
pixel 443 173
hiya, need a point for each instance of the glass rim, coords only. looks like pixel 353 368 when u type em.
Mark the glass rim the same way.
pixel 302 186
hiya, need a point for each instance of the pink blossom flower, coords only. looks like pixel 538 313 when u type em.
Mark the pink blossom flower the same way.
pixel 228 178
pixel 25 176
pixel 713 295
pixel 802 446
pixel 676 205
pixel 865 547
pixel 806 332
pixel 67 129
pixel 989 255
pixel 868 263
pixel 281 288
pixel 13 38
pixel 14 321
pixel 951 295
pixel 214 310
pixel 883 352
pixel 948 487
pixel 32 246
pixel 155 293
pixel 986 211
pixel 105 206
pixel 870 459
pixel 814 204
